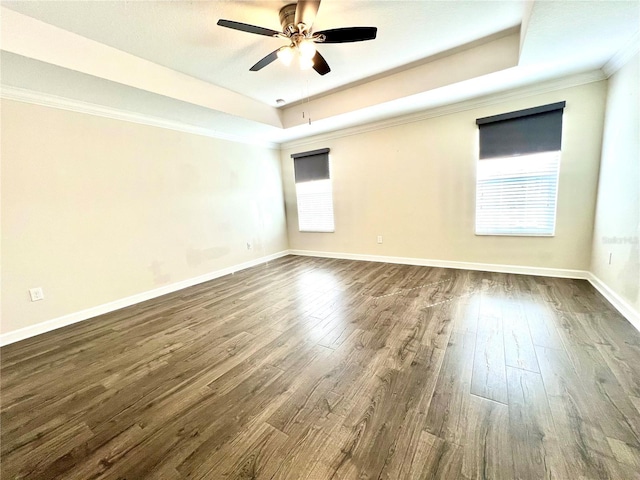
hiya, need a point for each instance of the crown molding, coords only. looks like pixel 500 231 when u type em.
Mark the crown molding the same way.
pixel 622 56
pixel 38 40
pixel 54 101
pixel 478 102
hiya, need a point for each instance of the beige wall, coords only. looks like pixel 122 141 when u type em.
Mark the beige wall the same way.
pixel 415 185
pixel 95 210
pixel 617 222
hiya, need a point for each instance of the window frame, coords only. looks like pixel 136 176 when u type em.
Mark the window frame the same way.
pixel 515 135
pixel 313 167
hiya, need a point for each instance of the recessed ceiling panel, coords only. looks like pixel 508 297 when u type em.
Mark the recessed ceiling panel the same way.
pixel 183 35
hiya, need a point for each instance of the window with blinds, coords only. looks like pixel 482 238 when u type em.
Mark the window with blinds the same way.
pixel 314 194
pixel 517 175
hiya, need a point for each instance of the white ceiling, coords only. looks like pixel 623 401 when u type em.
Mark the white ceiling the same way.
pixel 427 53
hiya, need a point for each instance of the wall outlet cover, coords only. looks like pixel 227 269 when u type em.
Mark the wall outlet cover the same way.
pixel 36 294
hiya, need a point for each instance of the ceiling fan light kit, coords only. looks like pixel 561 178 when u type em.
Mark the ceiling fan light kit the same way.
pixel 296 20
pixel 307 48
pixel 286 54
pixel 306 63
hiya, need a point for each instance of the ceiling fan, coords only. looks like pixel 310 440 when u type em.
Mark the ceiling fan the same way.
pixel 296 20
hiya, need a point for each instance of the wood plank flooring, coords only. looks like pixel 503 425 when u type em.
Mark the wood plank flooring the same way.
pixel 311 368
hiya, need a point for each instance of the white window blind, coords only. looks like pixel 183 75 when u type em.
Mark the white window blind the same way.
pixel 517 195
pixel 315 206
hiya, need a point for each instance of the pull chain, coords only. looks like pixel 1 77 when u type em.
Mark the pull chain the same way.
pixel 308 102
pixel 306 115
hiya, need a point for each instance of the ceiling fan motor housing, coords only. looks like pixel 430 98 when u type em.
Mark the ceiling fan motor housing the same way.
pixel 288 18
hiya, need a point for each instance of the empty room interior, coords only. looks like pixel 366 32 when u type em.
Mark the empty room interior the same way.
pixel 320 240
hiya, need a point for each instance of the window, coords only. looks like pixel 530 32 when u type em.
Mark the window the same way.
pixel 314 194
pixel 517 176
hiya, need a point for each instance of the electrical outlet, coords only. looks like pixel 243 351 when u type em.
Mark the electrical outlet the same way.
pixel 36 294
pixel 249 246
pixel 379 238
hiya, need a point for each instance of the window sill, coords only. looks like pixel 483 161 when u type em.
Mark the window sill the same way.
pixel 514 234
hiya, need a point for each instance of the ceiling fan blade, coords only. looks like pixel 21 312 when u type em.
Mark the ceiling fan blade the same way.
pixel 245 27
pixel 349 34
pixel 320 65
pixel 265 61
pixel 306 12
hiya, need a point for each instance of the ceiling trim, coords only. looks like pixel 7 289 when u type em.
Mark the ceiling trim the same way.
pixel 54 101
pixel 509 32
pixel 466 64
pixel 31 38
pixel 623 55
pixel 483 101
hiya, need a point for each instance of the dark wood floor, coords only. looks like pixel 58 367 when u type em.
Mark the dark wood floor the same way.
pixel 332 369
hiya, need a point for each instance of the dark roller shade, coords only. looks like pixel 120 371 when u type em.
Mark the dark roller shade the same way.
pixel 313 165
pixel 533 130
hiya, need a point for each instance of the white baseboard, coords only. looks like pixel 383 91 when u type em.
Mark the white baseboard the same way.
pixel 47 326
pixel 618 302
pixel 426 262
